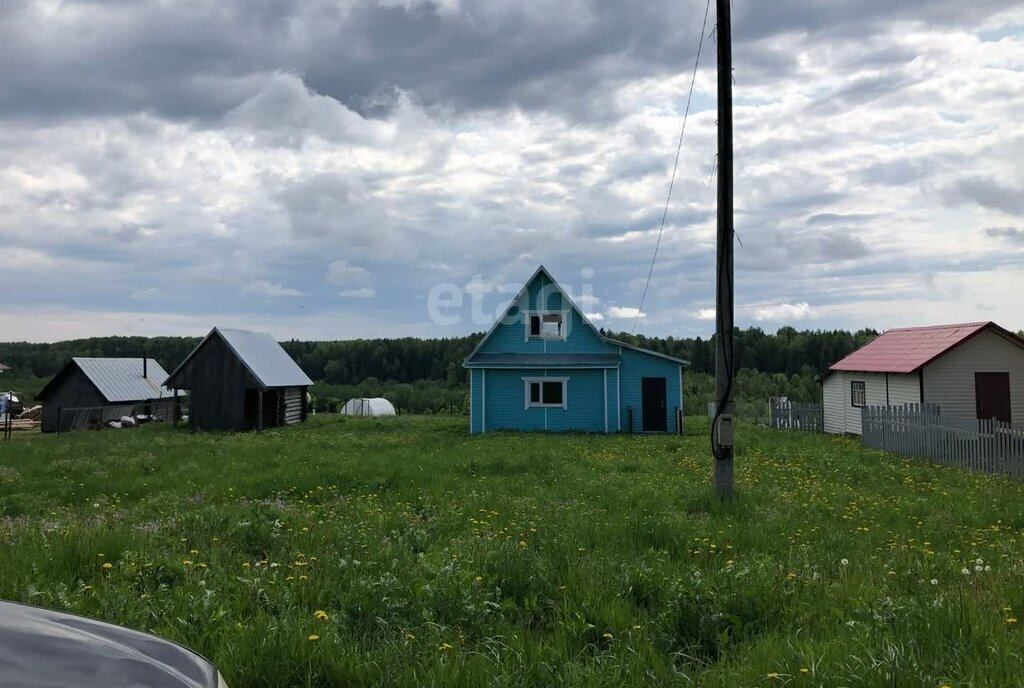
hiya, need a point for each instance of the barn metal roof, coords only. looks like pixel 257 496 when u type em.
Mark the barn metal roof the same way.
pixel 905 349
pixel 264 358
pixel 120 379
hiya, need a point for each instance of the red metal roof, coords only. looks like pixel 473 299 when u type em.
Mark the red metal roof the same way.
pixel 905 349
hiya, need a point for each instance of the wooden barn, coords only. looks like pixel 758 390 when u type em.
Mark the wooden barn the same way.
pixel 240 380
pixel 88 392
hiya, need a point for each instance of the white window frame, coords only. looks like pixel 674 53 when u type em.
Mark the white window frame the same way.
pixel 527 381
pixel 528 316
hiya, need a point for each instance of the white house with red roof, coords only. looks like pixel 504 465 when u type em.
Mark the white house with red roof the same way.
pixel 971 371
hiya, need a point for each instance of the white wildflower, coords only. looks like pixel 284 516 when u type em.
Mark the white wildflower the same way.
pixel 844 561
pixel 935 581
pixel 965 571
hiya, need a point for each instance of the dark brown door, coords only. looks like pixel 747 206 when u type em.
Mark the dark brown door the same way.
pixel 992 396
pixel 655 418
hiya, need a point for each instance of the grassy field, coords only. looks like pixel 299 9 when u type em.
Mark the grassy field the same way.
pixel 402 551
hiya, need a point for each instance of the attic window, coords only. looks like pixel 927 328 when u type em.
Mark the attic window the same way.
pixel 547 325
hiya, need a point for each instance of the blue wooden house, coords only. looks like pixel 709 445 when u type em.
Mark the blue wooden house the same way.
pixel 544 366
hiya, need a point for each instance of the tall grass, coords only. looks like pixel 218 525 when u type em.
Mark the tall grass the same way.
pixel 440 558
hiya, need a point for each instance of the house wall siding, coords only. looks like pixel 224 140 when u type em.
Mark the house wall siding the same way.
pixel 949 380
pixel 611 388
pixel 637 365
pixel 476 394
pixel 75 390
pixel 833 402
pixel 216 381
pixel 509 335
pixel 840 415
pixel 904 389
pixel 506 408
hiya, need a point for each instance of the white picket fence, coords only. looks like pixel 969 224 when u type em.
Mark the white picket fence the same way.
pixel 986 446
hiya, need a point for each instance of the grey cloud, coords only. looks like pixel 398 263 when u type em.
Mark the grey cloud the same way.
pixel 988 193
pixel 863 89
pixel 898 172
pixel 846 18
pixel 200 60
pixel 840 218
pixel 781 249
pixel 1011 234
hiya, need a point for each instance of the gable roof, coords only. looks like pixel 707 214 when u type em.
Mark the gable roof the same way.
pixel 907 349
pixel 261 355
pixel 117 379
pixel 514 303
pixel 474 357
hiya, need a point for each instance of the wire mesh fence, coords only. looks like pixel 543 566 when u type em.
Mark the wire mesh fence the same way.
pixel 96 417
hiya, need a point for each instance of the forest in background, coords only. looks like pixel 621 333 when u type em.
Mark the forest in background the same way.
pixel 426 375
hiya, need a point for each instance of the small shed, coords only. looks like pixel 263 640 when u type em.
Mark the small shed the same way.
pixel 971 371
pixel 367 406
pixel 4 368
pixel 92 391
pixel 241 380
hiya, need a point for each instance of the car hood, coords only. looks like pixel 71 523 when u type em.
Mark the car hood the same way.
pixel 40 648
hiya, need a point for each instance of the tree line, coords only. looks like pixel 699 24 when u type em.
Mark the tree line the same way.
pixel 426 375
pixel 349 362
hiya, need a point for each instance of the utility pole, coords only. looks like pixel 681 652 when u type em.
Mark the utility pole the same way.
pixel 723 427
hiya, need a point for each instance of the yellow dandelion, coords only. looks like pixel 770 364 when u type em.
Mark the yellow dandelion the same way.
pixel 313 636
pixel 444 646
pixel 107 565
pixel 193 551
pixel 773 674
pixel 1011 620
pixel 607 636
pixel 186 562
pixel 804 670
pixel 321 614
pixel 410 636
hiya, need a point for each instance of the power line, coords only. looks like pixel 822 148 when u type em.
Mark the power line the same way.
pixel 675 165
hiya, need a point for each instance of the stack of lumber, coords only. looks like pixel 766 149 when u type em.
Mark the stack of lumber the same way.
pixel 23 424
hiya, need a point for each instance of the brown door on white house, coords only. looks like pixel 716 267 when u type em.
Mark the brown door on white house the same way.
pixel 992 396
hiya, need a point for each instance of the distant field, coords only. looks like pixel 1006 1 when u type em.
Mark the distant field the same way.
pixel 402 551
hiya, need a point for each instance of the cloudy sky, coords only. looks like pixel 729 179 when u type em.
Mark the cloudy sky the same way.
pixel 320 168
